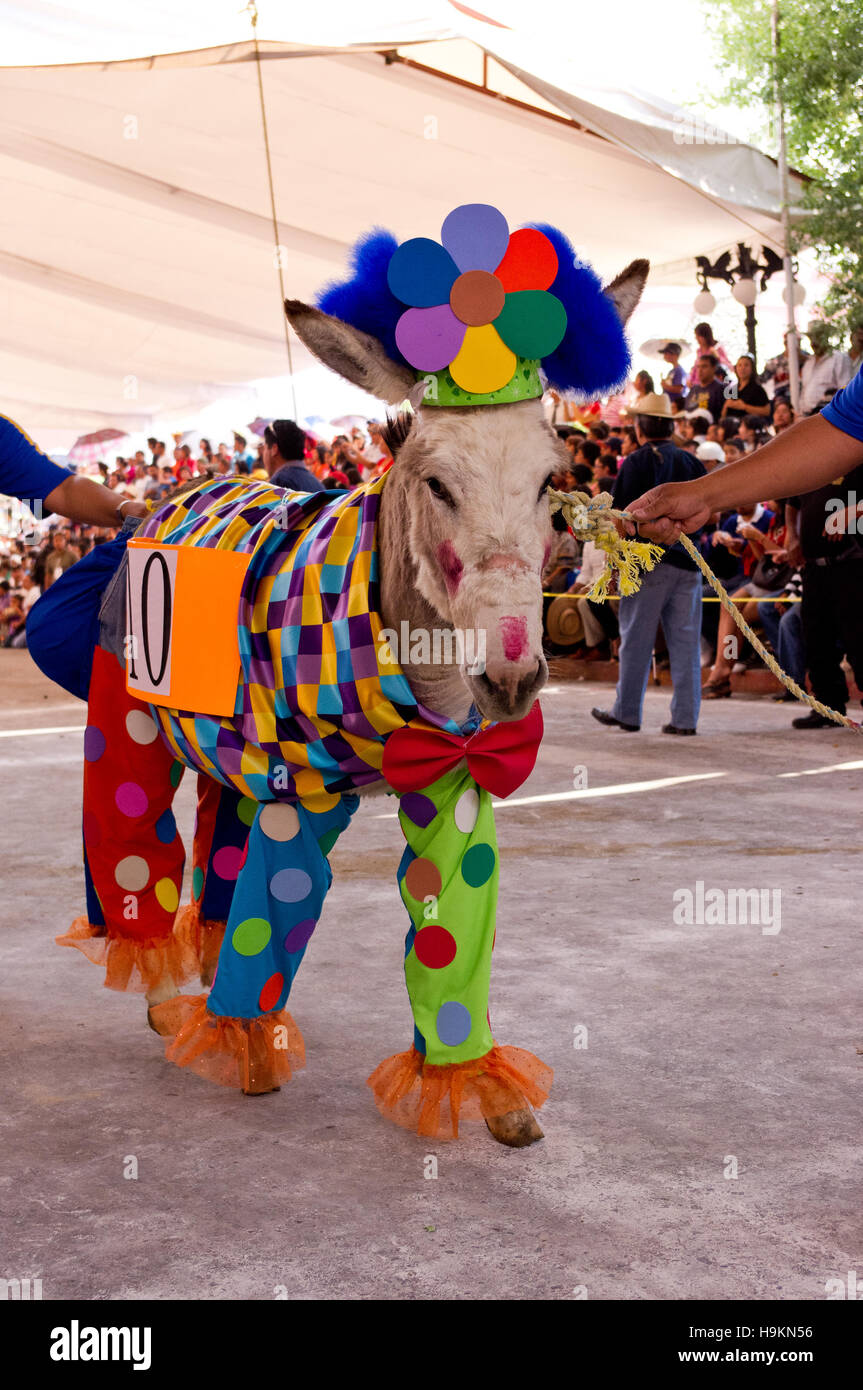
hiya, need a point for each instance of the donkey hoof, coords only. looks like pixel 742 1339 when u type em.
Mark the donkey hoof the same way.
pixel 516 1129
pixel 153 1024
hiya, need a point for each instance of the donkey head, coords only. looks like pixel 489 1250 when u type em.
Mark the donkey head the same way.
pixel 472 482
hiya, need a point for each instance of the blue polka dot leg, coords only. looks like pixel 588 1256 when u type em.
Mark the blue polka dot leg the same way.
pixel 276 904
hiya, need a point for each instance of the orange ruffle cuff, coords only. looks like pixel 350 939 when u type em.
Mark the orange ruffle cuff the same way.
pixel 136 966
pixel 433 1099
pixel 254 1054
pixel 201 939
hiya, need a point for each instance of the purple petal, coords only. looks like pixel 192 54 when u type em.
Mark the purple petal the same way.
pixel 476 236
pixel 429 338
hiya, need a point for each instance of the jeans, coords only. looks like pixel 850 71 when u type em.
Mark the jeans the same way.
pixel 671 596
pixel 785 631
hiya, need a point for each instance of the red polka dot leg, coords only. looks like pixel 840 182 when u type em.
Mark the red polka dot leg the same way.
pixel 134 853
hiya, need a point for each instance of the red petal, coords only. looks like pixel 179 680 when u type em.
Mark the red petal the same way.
pixel 530 262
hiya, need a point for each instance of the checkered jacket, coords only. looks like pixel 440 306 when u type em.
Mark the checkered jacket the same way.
pixel 315 702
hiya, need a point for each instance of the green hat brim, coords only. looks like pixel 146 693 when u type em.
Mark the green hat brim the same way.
pixel 524 384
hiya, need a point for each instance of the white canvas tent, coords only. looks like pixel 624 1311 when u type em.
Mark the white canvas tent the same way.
pixel 137 261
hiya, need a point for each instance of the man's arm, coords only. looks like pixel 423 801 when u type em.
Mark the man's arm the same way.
pixel 80 499
pixel 813 452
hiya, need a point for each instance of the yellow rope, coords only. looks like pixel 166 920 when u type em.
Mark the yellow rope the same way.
pixel 593 518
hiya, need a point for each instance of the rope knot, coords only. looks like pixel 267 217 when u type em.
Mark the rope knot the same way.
pixel 594 519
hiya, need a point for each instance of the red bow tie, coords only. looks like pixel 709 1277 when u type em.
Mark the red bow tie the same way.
pixel 499 758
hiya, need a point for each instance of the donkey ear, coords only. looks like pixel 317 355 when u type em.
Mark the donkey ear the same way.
pixel 626 288
pixel 357 356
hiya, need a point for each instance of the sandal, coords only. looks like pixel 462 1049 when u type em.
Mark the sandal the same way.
pixel 717 689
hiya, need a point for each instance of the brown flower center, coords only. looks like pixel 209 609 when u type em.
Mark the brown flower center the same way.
pixel 477 297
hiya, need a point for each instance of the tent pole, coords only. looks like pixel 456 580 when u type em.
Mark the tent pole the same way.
pixel 790 285
pixel 253 11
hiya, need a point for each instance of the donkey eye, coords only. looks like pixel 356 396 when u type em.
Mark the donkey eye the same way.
pixel 546 485
pixel 437 488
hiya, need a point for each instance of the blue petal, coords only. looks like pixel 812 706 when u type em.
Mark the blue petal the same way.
pixel 421 273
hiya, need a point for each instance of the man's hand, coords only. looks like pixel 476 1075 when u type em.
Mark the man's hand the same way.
pixel 671 508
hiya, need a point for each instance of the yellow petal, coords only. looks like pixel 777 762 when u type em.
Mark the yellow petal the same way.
pixel 484 362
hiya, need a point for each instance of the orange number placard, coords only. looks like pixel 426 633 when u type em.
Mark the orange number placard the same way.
pixel 182 609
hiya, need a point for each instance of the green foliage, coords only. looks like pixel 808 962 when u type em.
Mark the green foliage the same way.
pixel 820 70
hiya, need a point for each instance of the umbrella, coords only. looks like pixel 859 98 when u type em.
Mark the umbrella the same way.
pixel 349 422
pixel 653 347
pixel 258 425
pixel 90 448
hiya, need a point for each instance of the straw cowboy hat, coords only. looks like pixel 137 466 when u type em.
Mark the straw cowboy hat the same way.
pixel 654 403
pixel 563 621
pixel 655 347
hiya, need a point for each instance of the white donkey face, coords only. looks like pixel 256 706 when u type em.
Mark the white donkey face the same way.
pixel 479 525
pixel 480 532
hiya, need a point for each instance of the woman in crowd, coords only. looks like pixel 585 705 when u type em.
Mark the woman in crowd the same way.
pixel 705 342
pixel 751 398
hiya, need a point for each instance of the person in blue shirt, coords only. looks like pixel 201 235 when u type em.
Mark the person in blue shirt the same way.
pixel 674 382
pixel 62 626
pixel 822 452
pixel 28 474
pixel 284 458
pixel 670 594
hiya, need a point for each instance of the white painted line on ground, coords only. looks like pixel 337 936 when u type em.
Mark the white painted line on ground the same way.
pixel 617 789
pixel 830 767
pixel 15 712
pixel 53 729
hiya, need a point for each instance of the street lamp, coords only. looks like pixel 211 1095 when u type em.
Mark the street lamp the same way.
pixel 741 278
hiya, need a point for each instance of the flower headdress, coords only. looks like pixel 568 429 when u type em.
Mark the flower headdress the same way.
pixel 485 316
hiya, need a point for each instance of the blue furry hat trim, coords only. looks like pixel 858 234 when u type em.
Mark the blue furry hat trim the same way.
pixel 594 355
pixel 365 300
pixel 592 359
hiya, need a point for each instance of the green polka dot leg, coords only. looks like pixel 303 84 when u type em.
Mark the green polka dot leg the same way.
pixel 448 881
pixel 276 904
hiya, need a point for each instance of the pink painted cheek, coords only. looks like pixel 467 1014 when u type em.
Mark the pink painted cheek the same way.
pixel 513 632
pixel 451 566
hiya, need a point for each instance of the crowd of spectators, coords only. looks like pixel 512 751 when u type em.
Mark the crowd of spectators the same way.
pixel 286 455
pixel 720 412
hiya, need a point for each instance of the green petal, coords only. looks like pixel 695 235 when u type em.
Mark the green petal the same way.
pixel 531 322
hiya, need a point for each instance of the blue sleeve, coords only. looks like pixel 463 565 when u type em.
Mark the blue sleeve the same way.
pixel 845 411
pixel 25 472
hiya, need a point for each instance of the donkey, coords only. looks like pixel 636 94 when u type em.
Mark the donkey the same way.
pixel 453 538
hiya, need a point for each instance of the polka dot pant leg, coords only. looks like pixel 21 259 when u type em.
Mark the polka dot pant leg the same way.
pixel 134 855
pixel 276 904
pixel 448 881
pixel 221 831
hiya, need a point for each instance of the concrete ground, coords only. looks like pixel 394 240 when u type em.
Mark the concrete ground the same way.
pixel 711 1049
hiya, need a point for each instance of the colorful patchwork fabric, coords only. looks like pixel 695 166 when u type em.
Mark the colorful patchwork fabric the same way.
pixel 316 699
